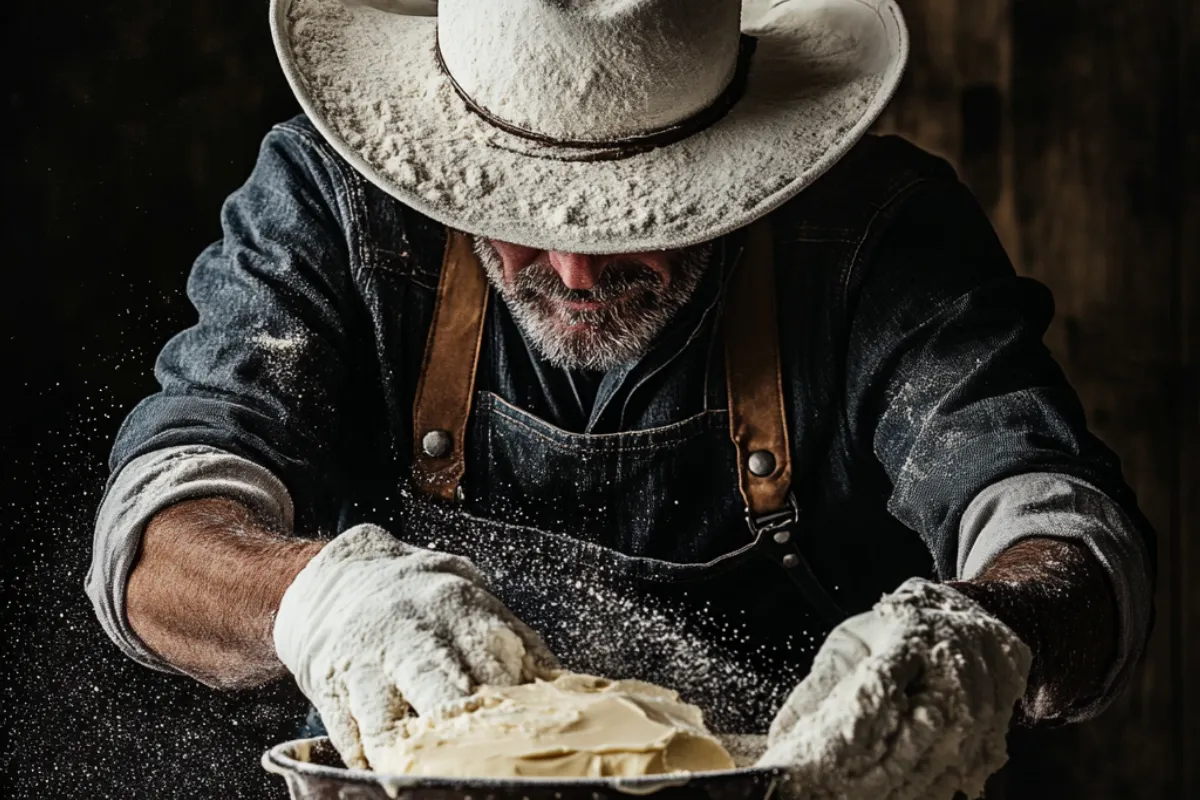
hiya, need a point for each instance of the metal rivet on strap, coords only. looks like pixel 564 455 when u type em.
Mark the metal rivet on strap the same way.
pixel 782 537
pixel 437 444
pixel 761 463
pixel 790 561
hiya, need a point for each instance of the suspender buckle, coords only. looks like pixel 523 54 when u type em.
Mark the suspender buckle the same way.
pixel 775 523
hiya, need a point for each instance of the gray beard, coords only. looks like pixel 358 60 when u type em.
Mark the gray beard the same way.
pixel 640 307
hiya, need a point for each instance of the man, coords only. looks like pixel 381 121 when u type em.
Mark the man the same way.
pixel 599 331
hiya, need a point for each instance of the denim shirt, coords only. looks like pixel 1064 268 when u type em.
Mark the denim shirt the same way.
pixel 915 373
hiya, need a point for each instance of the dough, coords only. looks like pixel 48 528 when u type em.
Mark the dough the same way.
pixel 572 727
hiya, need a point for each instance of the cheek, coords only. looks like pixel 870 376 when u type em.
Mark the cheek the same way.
pixel 515 258
pixel 661 263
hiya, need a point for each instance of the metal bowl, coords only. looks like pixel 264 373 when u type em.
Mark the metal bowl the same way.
pixel 314 771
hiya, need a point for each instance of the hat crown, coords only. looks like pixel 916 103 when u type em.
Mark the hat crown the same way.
pixel 590 70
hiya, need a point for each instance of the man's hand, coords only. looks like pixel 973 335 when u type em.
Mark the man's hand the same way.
pixel 909 700
pixel 373 627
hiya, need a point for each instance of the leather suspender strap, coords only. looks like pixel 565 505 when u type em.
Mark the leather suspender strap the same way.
pixel 447 382
pixel 757 416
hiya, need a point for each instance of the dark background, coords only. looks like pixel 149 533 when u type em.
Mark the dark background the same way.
pixel 127 123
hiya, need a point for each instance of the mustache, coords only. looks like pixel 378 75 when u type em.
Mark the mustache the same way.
pixel 541 282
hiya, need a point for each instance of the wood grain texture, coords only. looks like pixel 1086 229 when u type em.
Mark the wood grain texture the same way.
pixel 1074 124
pixel 1188 399
pixel 1092 86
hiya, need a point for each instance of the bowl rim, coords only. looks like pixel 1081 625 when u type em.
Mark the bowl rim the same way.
pixel 278 759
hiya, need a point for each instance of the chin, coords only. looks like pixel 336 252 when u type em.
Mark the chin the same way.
pixel 575 327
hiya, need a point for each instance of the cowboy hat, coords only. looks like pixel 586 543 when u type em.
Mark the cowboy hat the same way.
pixel 592 126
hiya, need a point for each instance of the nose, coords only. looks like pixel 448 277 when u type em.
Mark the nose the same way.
pixel 576 271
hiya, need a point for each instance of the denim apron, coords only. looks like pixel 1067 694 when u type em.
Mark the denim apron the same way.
pixel 732 634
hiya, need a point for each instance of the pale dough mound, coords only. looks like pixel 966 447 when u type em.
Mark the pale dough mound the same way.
pixel 575 726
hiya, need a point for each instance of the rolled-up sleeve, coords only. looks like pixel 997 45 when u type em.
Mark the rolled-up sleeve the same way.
pixel 149 484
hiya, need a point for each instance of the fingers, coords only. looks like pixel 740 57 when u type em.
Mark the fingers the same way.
pixel 339 724
pixel 803 700
pixel 462 637
pixel 495 647
pixel 837 658
pixel 932 687
pixel 877 631
pixel 474 595
pixel 378 709
pixel 538 661
pixel 492 652
pixel 786 752
pixel 425 669
pixel 444 563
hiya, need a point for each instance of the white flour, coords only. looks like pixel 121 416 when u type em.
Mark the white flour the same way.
pixel 372 627
pixel 627 68
pixel 278 344
pixel 374 85
pixel 286 358
pixel 922 716
pixel 596 625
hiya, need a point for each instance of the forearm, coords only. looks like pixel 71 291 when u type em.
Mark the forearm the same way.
pixel 205 587
pixel 1058 599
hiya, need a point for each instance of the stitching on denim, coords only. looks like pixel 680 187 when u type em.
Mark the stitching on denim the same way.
pixel 352 197
pixel 899 190
pixel 902 191
pixel 415 277
pixel 648 568
pixel 358 226
pixel 608 446
pixel 602 441
pixel 817 240
pixel 342 190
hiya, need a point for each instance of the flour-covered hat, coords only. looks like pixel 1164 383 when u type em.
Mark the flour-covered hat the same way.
pixel 592 126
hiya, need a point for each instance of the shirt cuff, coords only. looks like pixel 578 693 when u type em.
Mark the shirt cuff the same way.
pixel 1064 507
pixel 144 487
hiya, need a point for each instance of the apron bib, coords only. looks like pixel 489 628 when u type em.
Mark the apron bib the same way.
pixel 551 517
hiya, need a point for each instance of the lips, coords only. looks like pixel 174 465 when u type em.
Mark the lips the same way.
pixel 611 300
pixel 583 305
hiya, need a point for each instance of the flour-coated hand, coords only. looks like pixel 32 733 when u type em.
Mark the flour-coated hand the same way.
pixel 909 701
pixel 372 627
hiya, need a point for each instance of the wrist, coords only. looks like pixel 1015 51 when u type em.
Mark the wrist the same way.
pixel 1056 599
pixel 290 562
pixel 1050 691
pixel 292 558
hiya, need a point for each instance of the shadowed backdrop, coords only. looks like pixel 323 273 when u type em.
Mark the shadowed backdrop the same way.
pixel 1075 122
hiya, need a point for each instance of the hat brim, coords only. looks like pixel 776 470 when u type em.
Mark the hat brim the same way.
pixel 370 81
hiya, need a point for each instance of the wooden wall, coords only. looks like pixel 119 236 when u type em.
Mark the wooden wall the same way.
pixel 1075 121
